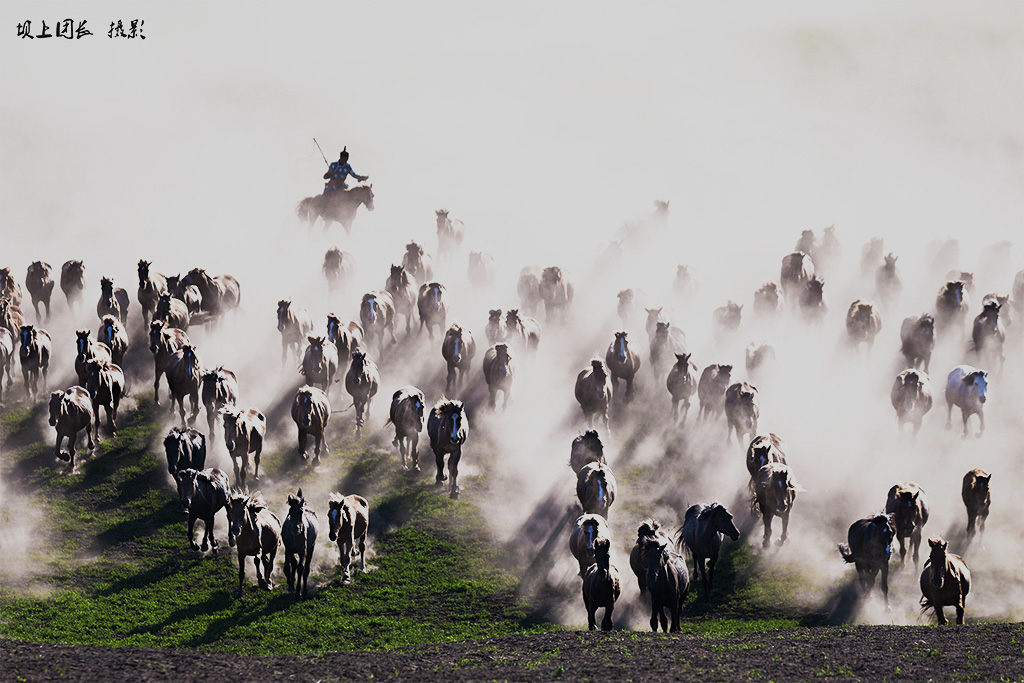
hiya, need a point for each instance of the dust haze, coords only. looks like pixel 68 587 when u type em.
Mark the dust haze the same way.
pixel 550 132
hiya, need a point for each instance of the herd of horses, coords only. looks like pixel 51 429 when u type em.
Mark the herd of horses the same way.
pixel 170 305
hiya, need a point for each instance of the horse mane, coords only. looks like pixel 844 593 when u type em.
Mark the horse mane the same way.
pixel 708 510
pixel 256 501
pixel 335 498
pixel 447 405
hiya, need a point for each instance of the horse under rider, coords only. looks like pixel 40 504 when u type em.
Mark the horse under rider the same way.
pixel 340 170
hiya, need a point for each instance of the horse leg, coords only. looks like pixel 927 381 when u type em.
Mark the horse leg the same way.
pixel 675 410
pixel 193 399
pixel 209 531
pixel 319 437
pixel 256 460
pixel 885 583
pixel 591 610
pixel 607 624
pixel 439 461
pixel 450 379
pixel 508 395
pixel 766 516
pixel 268 566
pixel 663 618
pixel 785 528
pixel 453 469
pixel 981 417
pixel 940 614
pixel 493 401
pixel 96 416
pixel 949 415
pixel 302 443
pixel 289 570
pixel 915 539
pixel 415 454
pixel 191 532
pixel 241 572
pixel 655 609
pixel 960 611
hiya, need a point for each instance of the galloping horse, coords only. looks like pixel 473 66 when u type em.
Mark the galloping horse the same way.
pixel 336 206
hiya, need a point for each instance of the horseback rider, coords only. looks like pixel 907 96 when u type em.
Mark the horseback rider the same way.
pixel 340 170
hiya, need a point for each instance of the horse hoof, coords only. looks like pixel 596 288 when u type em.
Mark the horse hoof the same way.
pixel 454 495
pixel 195 546
pixel 205 547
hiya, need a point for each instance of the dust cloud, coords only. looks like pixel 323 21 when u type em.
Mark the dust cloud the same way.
pixel 550 134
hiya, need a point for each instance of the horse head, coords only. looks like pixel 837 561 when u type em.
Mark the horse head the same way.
pixel 283 308
pixel 621 346
pixel 295 504
pixel 230 417
pixel 979 381
pixel 106 286
pixel 156 335
pixel 56 404
pixel 29 340
pixel 333 327
pixel 82 343
pixel 937 560
pixel 655 552
pixel 336 505
pixel 720 520
pixel 503 359
pixel 186 480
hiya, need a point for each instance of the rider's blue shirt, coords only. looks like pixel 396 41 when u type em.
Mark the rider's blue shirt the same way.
pixel 341 171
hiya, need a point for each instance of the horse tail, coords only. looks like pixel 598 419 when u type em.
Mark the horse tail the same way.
pixel 684 550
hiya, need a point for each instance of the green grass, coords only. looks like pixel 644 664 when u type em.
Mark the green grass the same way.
pixel 117 570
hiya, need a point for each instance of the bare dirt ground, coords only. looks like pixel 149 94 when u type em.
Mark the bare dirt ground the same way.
pixel 868 653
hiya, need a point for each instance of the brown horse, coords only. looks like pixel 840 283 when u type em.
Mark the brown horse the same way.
pixel 768 301
pixel 184 378
pixel 191 296
pixel 528 290
pixel 601 586
pixel 764 449
pixel 72 282
pixel 185 448
pixel 499 373
pixel 294 323
pixel 172 311
pixel 87 350
pixel 377 315
pixel 869 547
pixel 151 285
pixel 888 286
pixel 450 233
pixel 402 288
pixel 742 408
pixel 320 363
pixel 556 292
pixel 362 382
pixel 310 411
pixel 977 499
pixel 219 294
pixel 11 317
pixel 668 341
pixel 648 530
pixel 946 580
pixel 220 389
pixel 862 324
pixel 34 355
pixel 711 389
pixel 586 532
pixel 407 417
pixel 70 413
pixel 113 334
pixel 257 533
pixel 113 301
pixel 417 262
pixel 812 302
pixel 596 488
pixel 701 534
pixel 682 385
pixel 593 392
pixel 988 336
pixel 797 271
pixel 40 286
pixel 481 270
pixel 203 493
pixel 105 383
pixel 917 340
pixel 298 532
pixel 349 519
pixel 433 307
pixel 909 509
pixel 163 343
pixel 586 448
pixel 911 396
pixel 338 269
pixel 951 306
pixel 448 429
pixel 244 432
pixel 336 206
pixel 346 338
pixel 523 333
pixel 774 494
pixel 9 287
pixel 623 363
pixel 6 356
pixel 667 580
pixel 458 350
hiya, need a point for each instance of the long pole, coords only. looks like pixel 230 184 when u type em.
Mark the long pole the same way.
pixel 321 152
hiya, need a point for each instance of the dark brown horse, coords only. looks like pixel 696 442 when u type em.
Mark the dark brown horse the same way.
pixel 522 333
pixel 417 262
pixel 88 349
pixel 338 269
pixel 191 296
pixel 336 206
pixel 185 448
pixel 377 315
pixel 911 396
pixel 701 534
pixel 349 519
pixel 951 306
pixel 450 233
pixel 917 340
pixel 623 363
pixel 586 448
pixel 402 288
pixel 988 336
pixel 667 581
pixel 257 533
pixel 433 307
pixel 113 334
pixel 11 316
pixel 593 392
pixel 596 488
pixel 34 354
pixel 105 384
pixel 862 324
pixel 72 282
pixel 151 285
pixel 310 411
pixel 977 499
pixel 682 385
pixel 946 580
pixel 219 294
pixel 774 494
pixel 244 431
pixel 40 286
pixel 298 532
pixel 220 389
pixel 362 382
pixel 346 338
pixel 407 416
pixel 9 286
pixel 499 373
pixel 587 531
pixel 909 509
pixel 601 586
pixel 812 302
pixel 869 547
pixel 448 429
pixel 711 389
pixel 294 323
pixel 458 350
pixel 203 493
pixel 320 363
pixel 70 413
pixel 172 311
pixel 764 449
pixel 113 301
pixel 184 378
pixel 163 343
pixel 797 271
pixel 742 408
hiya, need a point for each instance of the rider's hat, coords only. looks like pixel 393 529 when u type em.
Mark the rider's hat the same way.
pixel 343 157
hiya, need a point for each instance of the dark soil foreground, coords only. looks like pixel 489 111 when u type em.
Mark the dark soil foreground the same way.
pixel 869 653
